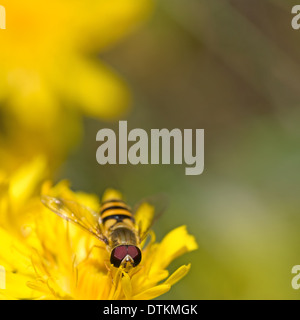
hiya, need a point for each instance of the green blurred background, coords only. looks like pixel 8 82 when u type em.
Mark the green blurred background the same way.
pixel 231 67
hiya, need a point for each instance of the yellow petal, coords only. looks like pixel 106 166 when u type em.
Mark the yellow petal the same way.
pixel 30 91
pixel 141 282
pixel 178 275
pixel 16 287
pixel 174 244
pixel 14 255
pixel 91 281
pixel 110 20
pixel 48 189
pixel 126 285
pixel 15 261
pixel 96 90
pixel 25 181
pixel 62 190
pixel 111 194
pixel 153 292
pixel 144 216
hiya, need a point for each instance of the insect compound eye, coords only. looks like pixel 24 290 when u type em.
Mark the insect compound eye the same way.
pixel 117 255
pixel 135 254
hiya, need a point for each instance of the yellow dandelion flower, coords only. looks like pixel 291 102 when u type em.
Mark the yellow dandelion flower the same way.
pixel 50 74
pixel 54 259
pixel 16 191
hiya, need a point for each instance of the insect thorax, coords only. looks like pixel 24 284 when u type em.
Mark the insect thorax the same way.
pixel 120 234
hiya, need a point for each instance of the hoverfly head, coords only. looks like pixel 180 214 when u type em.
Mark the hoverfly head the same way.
pixel 125 256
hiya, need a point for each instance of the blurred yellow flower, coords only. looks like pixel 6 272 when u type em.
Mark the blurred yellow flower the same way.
pixel 50 74
pixel 17 190
pixel 48 258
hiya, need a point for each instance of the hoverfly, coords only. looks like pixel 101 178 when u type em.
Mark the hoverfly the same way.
pixel 120 228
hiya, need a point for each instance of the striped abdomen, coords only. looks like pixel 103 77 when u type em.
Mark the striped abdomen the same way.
pixel 118 223
pixel 118 226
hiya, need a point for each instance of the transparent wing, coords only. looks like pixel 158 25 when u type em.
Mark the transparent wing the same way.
pixel 74 212
pixel 148 211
